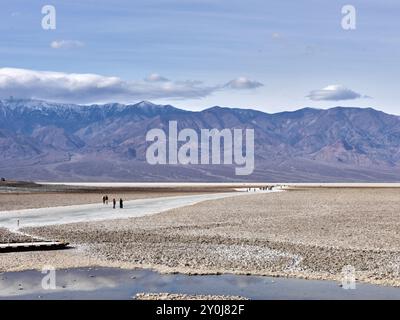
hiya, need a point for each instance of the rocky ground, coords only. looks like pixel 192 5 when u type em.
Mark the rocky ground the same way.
pixel 10 237
pixel 308 233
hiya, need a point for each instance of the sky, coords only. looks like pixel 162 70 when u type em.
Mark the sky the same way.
pixel 277 55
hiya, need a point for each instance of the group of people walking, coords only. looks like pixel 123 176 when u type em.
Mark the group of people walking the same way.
pixel 114 201
pixel 260 188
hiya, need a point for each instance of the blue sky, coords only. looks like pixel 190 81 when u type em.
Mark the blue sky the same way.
pixel 269 55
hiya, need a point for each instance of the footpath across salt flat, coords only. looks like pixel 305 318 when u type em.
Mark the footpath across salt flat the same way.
pixel 16 219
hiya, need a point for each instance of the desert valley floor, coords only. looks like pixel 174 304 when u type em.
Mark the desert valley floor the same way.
pixel 306 232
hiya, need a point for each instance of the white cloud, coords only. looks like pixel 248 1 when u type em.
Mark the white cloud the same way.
pixel 155 77
pixel 334 93
pixel 66 44
pixel 94 88
pixel 243 83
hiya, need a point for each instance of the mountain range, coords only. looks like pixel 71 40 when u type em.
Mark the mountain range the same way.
pixel 46 141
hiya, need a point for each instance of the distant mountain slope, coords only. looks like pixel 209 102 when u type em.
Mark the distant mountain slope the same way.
pixel 50 141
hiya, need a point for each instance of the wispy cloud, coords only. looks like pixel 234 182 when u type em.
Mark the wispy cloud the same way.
pixel 334 93
pixel 276 35
pixel 91 88
pixel 155 77
pixel 243 83
pixel 66 44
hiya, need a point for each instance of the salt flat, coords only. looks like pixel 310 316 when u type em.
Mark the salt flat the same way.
pixel 223 184
pixel 305 232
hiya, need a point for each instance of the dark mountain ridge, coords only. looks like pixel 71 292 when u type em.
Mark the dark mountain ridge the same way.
pixel 64 142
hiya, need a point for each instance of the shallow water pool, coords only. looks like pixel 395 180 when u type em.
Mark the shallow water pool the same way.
pixel 114 283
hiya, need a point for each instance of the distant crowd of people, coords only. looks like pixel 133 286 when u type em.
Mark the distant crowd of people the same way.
pixel 260 188
pixel 114 201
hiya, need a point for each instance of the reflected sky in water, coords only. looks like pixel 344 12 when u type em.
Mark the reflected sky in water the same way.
pixel 114 283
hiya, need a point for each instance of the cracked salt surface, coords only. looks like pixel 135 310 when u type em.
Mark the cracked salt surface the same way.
pixel 256 255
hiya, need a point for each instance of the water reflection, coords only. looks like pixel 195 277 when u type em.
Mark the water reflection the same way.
pixel 114 283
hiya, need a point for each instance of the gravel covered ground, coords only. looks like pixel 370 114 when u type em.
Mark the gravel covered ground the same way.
pixel 9 237
pixel 308 233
